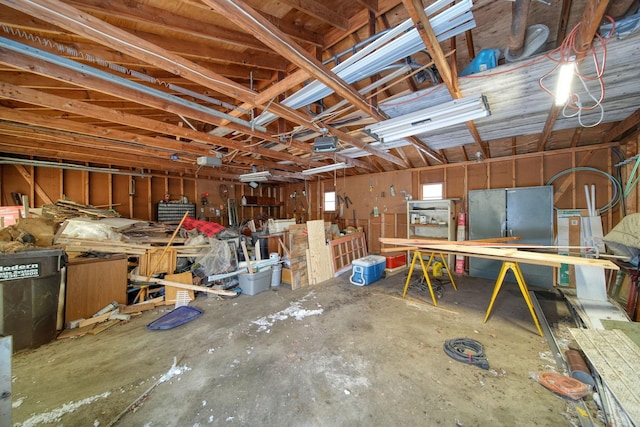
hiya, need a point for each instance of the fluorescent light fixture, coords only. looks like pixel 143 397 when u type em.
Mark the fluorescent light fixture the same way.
pixel 255 176
pixel 432 118
pixel 563 87
pixel 328 168
pixel 395 44
pixel 253 184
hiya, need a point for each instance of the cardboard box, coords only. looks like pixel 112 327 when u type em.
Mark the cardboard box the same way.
pixel 285 276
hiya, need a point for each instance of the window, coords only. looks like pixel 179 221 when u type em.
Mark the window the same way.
pixel 329 201
pixel 432 191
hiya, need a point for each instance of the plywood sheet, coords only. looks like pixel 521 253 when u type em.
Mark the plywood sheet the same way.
pixel 501 174
pixel 319 262
pixel 528 171
pixel 616 359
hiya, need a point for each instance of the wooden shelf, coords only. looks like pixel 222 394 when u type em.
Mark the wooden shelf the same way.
pixel 417 236
pixel 429 225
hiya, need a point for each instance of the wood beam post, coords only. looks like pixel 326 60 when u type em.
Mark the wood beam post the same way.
pixel 419 17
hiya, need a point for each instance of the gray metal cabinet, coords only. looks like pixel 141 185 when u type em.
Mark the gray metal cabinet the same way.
pixel 525 212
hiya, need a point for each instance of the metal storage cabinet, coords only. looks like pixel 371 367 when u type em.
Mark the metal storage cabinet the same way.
pixel 173 212
pixel 525 212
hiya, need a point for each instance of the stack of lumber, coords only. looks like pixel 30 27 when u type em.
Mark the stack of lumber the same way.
pixel 75 244
pixel 118 235
pixel 481 250
pixel 63 209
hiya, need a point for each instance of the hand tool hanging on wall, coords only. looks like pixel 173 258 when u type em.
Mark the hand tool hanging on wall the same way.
pixel 340 202
pixel 347 201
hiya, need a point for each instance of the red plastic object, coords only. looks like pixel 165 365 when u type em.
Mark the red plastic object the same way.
pixel 396 260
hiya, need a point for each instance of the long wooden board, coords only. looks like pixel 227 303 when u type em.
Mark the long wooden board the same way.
pixel 182 285
pixel 514 255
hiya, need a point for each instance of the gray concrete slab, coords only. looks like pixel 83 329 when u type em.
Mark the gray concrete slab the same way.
pixel 332 354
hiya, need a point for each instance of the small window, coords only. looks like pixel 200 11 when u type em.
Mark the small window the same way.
pixel 432 191
pixel 330 201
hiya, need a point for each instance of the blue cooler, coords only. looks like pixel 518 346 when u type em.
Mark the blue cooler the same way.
pixel 367 270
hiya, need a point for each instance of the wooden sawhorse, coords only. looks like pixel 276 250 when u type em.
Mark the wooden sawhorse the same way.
pixel 506 265
pixel 425 271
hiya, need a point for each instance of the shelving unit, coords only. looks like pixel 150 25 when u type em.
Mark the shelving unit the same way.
pixel 431 219
pixel 251 205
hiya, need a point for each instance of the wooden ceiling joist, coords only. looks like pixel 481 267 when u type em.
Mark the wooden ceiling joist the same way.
pixel 319 11
pixel 137 70
pixel 450 80
pixel 74 20
pixel 239 12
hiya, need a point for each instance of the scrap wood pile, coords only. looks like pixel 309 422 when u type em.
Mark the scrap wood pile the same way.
pixel 109 316
pixel 63 209
pixel 178 291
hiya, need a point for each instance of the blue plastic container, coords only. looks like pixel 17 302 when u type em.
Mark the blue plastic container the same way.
pixel 367 270
pixel 486 59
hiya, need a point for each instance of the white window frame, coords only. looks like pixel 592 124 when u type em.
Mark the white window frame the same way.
pixel 330 201
pixel 432 191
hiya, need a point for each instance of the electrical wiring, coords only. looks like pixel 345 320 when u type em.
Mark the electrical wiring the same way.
pixel 466 350
pixel 563 385
pixel 617 188
pixel 578 103
pixel 568 51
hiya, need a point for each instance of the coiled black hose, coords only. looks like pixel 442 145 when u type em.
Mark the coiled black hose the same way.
pixel 466 350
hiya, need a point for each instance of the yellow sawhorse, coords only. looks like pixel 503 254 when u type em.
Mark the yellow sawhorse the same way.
pixel 425 270
pixel 506 265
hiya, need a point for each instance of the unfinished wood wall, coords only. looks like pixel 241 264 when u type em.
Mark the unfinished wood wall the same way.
pixel 131 196
pixel 136 196
pixel 367 191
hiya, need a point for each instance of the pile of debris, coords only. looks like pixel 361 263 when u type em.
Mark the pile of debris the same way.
pixel 64 209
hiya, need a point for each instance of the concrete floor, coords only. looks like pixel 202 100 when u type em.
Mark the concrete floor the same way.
pixel 333 354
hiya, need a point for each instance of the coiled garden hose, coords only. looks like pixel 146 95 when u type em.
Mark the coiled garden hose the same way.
pixel 617 187
pixel 466 350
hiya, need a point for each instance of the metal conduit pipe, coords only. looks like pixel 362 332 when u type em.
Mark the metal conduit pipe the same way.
pixel 519 13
